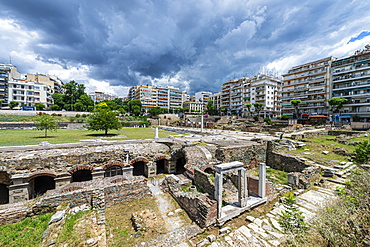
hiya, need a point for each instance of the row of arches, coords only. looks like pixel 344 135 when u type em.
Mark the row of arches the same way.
pixel 42 181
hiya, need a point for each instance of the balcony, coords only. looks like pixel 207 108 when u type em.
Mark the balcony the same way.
pixel 362 75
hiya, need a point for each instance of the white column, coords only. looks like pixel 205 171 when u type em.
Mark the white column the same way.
pixel 156 132
pixel 218 193
pixel 262 180
pixel 242 188
pixel 202 124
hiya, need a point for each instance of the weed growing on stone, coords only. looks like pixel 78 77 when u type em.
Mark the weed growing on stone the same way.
pixel 67 234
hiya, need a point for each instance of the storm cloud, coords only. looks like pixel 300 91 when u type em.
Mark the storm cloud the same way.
pixel 194 45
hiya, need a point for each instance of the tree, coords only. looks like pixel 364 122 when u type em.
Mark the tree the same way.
pixel 336 104
pixel 13 104
pixel 223 109
pixel 155 111
pixel 362 153
pixel 210 107
pixel 291 219
pixel 1 103
pixel 40 107
pixel 73 92
pixel 103 119
pixel 46 122
pixel 258 108
pixel 58 100
pixel 295 103
pixel 135 107
pixel 249 108
pixel 83 103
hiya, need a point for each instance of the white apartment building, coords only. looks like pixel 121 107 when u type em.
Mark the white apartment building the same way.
pixel 265 89
pixel 216 98
pixel 7 72
pixel 194 106
pixel 100 96
pixel 203 96
pixel 29 93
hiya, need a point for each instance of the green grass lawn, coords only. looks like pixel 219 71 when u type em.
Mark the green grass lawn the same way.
pixel 34 137
pixel 325 143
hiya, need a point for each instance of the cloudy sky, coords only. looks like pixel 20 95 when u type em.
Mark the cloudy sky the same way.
pixel 194 45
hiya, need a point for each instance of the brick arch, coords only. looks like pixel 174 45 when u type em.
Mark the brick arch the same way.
pixel 160 156
pixel 5 178
pixel 139 159
pixel 81 167
pixel 177 154
pixel 114 163
pixel 36 174
pixel 208 166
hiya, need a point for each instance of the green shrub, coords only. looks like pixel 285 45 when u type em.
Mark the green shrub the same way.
pixel 267 120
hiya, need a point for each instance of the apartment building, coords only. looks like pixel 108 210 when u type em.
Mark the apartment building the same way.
pixel 310 83
pixel 49 80
pixel 232 96
pixel 100 96
pixel 165 97
pixel 194 106
pixel 29 93
pixel 265 89
pixel 203 96
pixel 7 72
pixel 216 98
pixel 351 80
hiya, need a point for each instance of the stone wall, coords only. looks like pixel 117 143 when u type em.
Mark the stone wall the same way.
pixel 282 161
pixel 199 207
pixel 252 184
pixel 63 159
pixel 203 181
pixel 243 153
pixel 344 132
pixel 94 192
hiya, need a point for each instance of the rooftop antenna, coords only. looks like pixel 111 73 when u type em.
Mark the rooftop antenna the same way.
pixel 10 59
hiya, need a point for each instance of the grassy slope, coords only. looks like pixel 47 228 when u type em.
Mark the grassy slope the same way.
pixel 34 137
pixel 27 232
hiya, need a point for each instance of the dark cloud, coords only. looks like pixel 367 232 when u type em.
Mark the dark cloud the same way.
pixel 203 43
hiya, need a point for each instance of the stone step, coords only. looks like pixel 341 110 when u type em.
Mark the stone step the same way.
pixel 329 192
pixel 316 198
pixel 306 205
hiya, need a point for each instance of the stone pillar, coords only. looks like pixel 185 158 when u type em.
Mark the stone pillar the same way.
pixel 18 192
pixel 156 132
pixel 171 166
pixel 150 170
pixel 262 180
pixel 128 171
pixel 218 192
pixel 242 188
pixel 62 181
pixel 98 173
